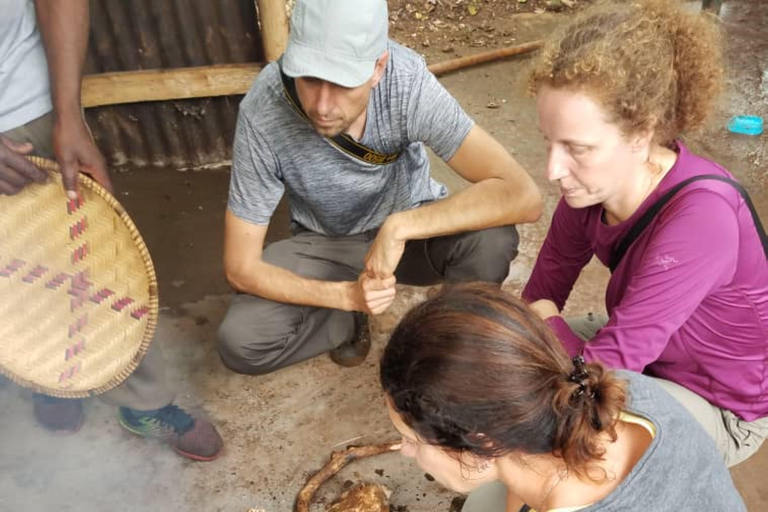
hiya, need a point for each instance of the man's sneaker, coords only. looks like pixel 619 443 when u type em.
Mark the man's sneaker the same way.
pixel 354 351
pixel 59 415
pixel 191 437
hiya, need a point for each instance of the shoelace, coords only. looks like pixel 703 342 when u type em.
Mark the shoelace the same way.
pixel 176 417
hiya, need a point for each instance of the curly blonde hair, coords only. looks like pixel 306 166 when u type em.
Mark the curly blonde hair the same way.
pixel 649 63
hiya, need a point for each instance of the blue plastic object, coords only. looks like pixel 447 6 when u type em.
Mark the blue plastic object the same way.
pixel 748 125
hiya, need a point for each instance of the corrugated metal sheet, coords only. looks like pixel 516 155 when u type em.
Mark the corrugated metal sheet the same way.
pixel 154 34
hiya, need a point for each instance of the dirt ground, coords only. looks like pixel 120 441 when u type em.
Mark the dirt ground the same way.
pixel 280 428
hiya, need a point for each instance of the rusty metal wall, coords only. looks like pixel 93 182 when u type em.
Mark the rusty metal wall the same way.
pixel 129 35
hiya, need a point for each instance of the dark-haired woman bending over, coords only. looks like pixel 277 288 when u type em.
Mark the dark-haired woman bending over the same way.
pixel 481 391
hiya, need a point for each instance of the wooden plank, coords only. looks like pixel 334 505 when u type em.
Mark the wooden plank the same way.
pixel 274 27
pixel 224 80
pixel 167 84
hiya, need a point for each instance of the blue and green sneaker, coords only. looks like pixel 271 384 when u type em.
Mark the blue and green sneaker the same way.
pixel 191 437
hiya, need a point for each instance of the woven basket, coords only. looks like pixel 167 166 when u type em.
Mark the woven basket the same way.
pixel 78 292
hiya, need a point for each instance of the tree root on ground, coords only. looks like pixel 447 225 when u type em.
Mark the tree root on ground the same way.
pixel 338 460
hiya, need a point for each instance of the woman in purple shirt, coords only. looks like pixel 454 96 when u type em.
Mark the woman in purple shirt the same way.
pixel 688 302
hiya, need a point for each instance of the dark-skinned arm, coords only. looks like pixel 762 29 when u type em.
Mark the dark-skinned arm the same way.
pixel 64 28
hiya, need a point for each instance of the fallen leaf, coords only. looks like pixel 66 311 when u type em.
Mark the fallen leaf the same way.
pixel 472 9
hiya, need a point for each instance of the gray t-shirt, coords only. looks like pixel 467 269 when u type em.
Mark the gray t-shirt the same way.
pixel 330 192
pixel 681 471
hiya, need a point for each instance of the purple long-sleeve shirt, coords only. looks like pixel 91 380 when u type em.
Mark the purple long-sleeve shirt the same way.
pixel 689 301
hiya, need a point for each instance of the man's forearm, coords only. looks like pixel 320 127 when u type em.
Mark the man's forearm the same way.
pixel 64 27
pixel 281 285
pixel 487 204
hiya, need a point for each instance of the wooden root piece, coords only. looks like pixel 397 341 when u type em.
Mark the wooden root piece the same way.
pixel 339 459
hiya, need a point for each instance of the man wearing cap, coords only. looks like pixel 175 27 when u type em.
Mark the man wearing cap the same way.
pixel 340 125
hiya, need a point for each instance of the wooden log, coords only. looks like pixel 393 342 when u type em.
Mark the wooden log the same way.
pixel 167 84
pixel 274 27
pixel 442 68
pixel 224 80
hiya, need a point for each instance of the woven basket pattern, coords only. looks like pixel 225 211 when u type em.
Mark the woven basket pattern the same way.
pixel 78 292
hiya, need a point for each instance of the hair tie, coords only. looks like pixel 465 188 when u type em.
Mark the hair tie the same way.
pixel 579 376
pixel 579 373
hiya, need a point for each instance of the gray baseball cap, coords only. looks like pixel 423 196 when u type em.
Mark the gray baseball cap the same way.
pixel 336 40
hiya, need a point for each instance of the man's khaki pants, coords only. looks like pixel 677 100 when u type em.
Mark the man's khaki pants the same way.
pixel 147 388
pixel 736 439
